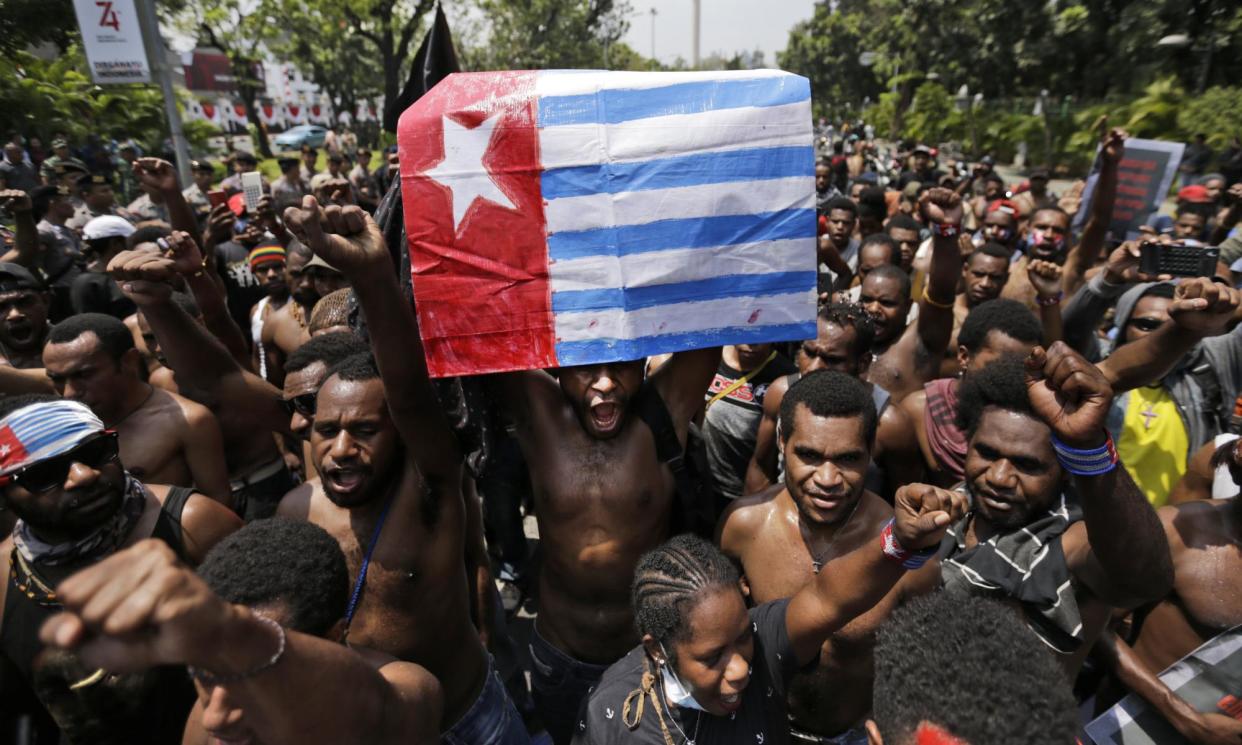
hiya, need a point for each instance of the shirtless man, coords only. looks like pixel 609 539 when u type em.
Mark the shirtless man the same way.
pixel 165 439
pixel 24 304
pixel 1205 602
pixel 822 510
pixel 77 505
pixel 286 328
pixel 602 499
pixel 222 619
pixel 414 606
pixel 1001 326
pixel 984 274
pixel 843 344
pixel 390 488
pixel 908 356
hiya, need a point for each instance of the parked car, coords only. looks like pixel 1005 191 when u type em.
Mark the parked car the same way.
pixel 303 134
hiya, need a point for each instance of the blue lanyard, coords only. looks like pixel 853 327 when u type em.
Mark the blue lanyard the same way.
pixel 366 563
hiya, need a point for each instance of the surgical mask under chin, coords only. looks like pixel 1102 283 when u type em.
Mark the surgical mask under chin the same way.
pixel 674 692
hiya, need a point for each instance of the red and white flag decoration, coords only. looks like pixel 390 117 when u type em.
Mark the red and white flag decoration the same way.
pixel 566 218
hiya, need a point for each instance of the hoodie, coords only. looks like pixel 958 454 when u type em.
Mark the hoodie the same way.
pixel 1203 384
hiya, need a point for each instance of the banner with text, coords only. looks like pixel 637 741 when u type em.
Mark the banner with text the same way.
pixel 1144 176
pixel 113 41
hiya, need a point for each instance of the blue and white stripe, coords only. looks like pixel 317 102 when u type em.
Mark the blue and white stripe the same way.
pixel 48 429
pixel 680 210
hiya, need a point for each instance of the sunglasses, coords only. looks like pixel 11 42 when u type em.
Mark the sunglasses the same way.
pixel 1146 324
pixel 303 404
pixel 49 474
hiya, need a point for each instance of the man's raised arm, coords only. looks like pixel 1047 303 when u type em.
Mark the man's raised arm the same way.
pixel 1119 550
pixel 1200 308
pixel 208 288
pixel 1082 257
pixel 942 210
pixel 197 357
pixel 349 239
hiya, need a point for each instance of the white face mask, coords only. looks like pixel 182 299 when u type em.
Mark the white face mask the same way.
pixel 674 692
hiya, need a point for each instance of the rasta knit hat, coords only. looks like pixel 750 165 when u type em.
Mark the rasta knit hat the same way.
pixel 265 253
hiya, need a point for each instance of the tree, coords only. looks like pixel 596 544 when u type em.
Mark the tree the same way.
pixel 47 96
pixel 323 45
pixel 390 27
pixel 238 32
pixel 550 34
pixel 25 22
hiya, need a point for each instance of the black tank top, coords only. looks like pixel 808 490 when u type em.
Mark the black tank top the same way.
pixel 141 709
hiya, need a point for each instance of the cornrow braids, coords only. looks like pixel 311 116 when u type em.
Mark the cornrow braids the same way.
pixel 671 579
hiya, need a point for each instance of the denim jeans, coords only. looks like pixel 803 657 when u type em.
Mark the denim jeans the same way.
pixel 491 719
pixel 558 686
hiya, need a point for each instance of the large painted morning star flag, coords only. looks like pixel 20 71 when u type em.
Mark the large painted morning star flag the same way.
pixel 564 218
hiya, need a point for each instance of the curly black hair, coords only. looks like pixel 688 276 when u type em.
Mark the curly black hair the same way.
pixel 114 336
pixel 895 273
pixel 845 204
pixel 828 393
pixel 851 316
pixel 278 560
pixel 1010 317
pixel 993 249
pixel 1001 383
pixel 326 348
pixel 968 665
pixel 355 367
pixel 671 579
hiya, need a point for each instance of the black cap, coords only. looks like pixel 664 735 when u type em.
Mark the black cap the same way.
pixel 1040 173
pixel 246 157
pixel 17 277
pixel 201 165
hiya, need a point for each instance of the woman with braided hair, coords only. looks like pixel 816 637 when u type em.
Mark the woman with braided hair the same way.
pixel 709 671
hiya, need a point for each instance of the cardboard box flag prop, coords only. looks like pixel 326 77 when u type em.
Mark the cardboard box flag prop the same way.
pixel 565 218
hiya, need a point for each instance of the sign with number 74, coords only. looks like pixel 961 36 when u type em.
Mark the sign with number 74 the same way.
pixel 112 40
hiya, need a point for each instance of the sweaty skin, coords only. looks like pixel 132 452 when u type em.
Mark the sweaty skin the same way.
pixel 896 449
pixel 765 533
pixel 1203 539
pixel 601 502
pixel 164 438
pixel 385 441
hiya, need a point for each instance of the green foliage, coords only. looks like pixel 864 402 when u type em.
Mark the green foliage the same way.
pixel 26 22
pixel 932 117
pixel 42 97
pixel 1217 113
pixel 550 34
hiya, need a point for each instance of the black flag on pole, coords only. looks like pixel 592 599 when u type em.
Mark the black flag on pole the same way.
pixel 433 62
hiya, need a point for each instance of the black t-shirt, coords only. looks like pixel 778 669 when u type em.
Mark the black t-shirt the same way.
pixel 761 720
pixel 96 292
pixel 731 425
pixel 241 288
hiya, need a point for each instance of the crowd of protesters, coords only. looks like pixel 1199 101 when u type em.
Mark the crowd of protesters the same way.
pixel 994 494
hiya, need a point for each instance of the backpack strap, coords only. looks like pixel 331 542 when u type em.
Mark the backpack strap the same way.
pixel 654 413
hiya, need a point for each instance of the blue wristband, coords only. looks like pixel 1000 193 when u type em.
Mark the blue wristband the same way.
pixel 1090 462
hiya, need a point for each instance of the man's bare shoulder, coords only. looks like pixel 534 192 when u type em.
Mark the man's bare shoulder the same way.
pixel 297 503
pixel 193 411
pixel 1197 525
pixel 744 520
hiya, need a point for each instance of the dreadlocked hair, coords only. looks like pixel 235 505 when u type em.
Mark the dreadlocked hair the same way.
pixel 671 579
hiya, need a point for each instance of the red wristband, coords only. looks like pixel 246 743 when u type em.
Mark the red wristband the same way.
pixel 894 550
pixel 944 229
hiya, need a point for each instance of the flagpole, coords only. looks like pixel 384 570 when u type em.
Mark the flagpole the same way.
pixel 149 23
